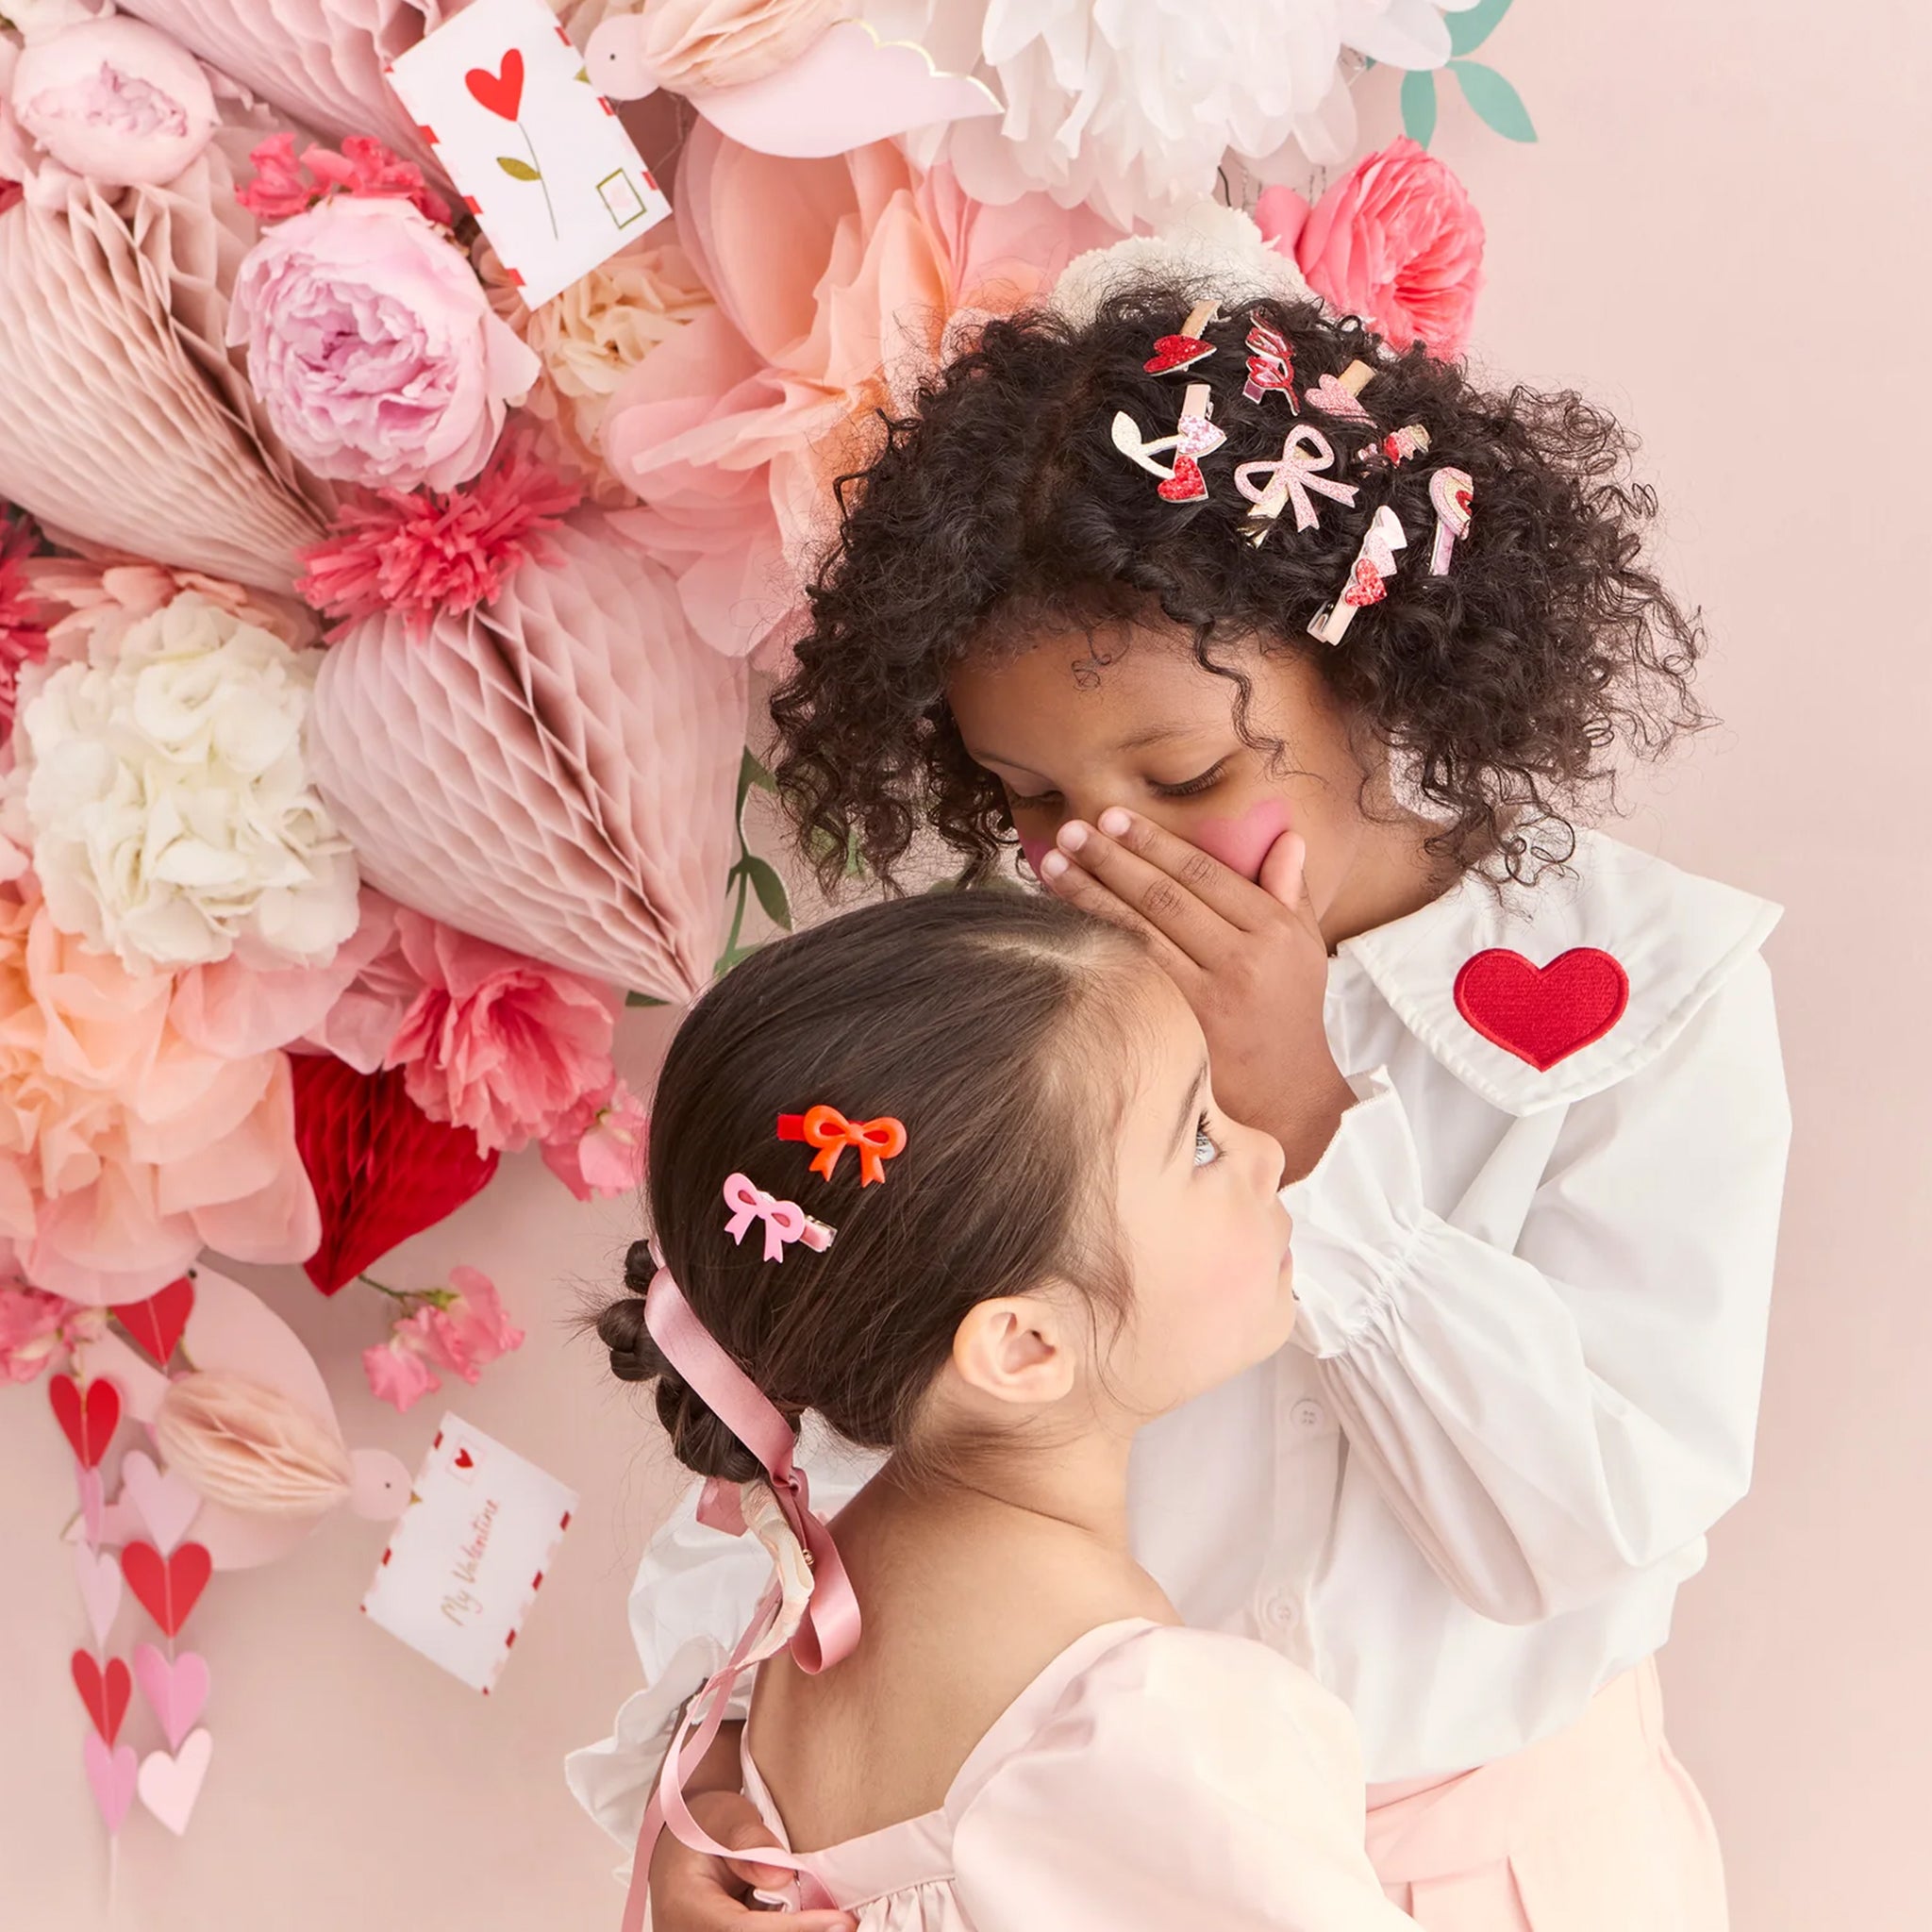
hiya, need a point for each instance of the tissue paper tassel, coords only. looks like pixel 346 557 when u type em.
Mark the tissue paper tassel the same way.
pixel 250 1447
pixel 126 426
pixel 554 771
pixel 320 60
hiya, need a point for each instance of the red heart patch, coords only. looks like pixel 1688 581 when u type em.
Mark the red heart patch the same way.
pixel 1187 484
pixel 87 1417
pixel 157 1323
pixel 381 1168
pixel 464 1459
pixel 1176 352
pixel 502 93
pixel 1542 1014
pixel 103 1692
pixel 1365 585
pixel 168 1586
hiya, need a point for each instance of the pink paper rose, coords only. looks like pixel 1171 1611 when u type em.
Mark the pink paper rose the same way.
pixel 372 346
pixel 496 1043
pixel 1396 241
pixel 599 1147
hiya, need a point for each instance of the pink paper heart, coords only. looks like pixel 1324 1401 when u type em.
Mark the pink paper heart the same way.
pixel 176 1691
pixel 94 1501
pixel 99 1576
pixel 170 1786
pixel 111 1776
pixel 166 1503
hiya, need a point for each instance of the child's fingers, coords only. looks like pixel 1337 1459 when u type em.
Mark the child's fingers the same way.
pixel 1161 903
pixel 1078 887
pixel 1282 871
pixel 1218 887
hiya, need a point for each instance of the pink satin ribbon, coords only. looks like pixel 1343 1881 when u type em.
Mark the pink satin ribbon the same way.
pixel 831 1628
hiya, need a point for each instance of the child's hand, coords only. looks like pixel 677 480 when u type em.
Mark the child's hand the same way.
pixel 691 1893
pixel 1249 958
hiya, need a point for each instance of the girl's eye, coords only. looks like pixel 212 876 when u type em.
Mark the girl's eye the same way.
pixel 1206 781
pixel 1207 1148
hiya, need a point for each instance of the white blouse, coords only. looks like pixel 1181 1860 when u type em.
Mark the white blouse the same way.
pixel 1534 1279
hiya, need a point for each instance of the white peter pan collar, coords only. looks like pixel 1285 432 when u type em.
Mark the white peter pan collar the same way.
pixel 1676 937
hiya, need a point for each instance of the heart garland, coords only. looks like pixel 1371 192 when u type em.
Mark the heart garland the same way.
pixel 87 1417
pixel 167 1587
pixel 155 1325
pixel 105 1691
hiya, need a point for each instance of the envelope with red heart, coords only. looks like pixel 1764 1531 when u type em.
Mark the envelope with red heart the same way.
pixel 538 155
pixel 470 1554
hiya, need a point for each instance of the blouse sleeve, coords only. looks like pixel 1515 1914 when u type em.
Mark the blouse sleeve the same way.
pixel 1189 1778
pixel 1548 1418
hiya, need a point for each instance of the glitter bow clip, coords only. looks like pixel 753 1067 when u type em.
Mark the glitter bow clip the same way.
pixel 831 1133
pixel 785 1221
pixel 1292 476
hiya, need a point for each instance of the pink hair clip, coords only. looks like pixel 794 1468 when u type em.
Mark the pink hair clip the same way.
pixel 1452 493
pixel 1340 396
pixel 1184 350
pixel 785 1221
pixel 1292 476
pixel 1194 437
pixel 1271 366
pixel 1368 577
pixel 1411 439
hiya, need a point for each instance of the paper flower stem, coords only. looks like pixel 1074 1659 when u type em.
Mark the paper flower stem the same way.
pixel 540 182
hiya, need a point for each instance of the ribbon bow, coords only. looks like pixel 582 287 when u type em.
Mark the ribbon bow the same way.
pixel 831 1133
pixel 785 1221
pixel 1304 455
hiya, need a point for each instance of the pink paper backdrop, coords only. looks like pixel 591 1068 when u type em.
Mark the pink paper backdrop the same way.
pixel 1715 235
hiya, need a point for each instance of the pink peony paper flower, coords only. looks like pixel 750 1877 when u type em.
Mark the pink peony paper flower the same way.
pixel 36 1329
pixel 97 600
pixel 286 184
pixel 23 625
pixel 1396 241
pixel 398 1374
pixel 125 1148
pixel 599 1146
pixel 373 347
pixel 503 1045
pixel 437 551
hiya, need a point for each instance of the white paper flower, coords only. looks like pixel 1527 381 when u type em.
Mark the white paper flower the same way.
pixel 1128 103
pixel 167 799
pixel 1216 250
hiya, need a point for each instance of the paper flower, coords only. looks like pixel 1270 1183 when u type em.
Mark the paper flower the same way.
pixel 37 1330
pixel 90 603
pixel 732 432
pixel 373 347
pixel 287 184
pixel 461 1328
pixel 556 772
pixel 114 100
pixel 397 1374
pixel 125 1148
pixel 1396 241
pixel 438 550
pixel 126 424
pixel 171 813
pixel 599 1147
pixel 589 338
pixel 499 1044
pixel 23 629
pixel 382 1170
pixel 1218 250
pixel 1130 108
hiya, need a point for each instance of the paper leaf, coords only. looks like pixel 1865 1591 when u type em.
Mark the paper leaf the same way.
pixel 519 171
pixel 752 773
pixel 1419 107
pixel 643 999
pixel 771 890
pixel 1470 28
pixel 1495 100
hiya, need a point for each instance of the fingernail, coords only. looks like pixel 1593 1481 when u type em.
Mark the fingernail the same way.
pixel 1052 865
pixel 1114 822
pixel 1071 835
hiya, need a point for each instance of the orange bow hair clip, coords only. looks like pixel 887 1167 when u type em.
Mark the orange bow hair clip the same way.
pixel 831 1133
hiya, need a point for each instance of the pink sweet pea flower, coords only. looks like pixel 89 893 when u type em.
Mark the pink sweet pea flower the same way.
pixel 36 1328
pixel 600 1147
pixel 397 1374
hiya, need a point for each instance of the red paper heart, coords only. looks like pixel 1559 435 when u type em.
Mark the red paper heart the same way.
pixel 502 93
pixel 168 1586
pixel 90 1418
pixel 157 1323
pixel 1176 352
pixel 381 1168
pixel 1365 585
pixel 464 1459
pixel 105 1694
pixel 1542 1014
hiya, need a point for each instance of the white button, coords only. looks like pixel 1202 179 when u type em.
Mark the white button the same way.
pixel 1280 1611
pixel 1309 1415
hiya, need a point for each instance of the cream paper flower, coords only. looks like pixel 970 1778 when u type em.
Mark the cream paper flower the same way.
pixel 166 796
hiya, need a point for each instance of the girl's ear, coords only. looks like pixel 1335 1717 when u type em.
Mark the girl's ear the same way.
pixel 1020 1349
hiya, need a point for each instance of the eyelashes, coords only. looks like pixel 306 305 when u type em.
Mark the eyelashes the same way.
pixel 1204 1139
pixel 1188 787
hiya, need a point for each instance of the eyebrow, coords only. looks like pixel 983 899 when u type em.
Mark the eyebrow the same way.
pixel 1189 1111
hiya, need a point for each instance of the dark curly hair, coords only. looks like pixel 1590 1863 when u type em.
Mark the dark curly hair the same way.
pixel 1000 507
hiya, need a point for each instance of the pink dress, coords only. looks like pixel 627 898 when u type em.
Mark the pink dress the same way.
pixel 1150 1779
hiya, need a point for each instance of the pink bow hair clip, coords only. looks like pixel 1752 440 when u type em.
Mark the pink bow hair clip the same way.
pixel 785 1221
pixel 1290 476
pixel 1193 437
pixel 1368 577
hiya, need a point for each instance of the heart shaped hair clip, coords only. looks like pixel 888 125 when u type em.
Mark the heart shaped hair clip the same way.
pixel 1182 351
pixel 1193 437
pixel 1368 577
pixel 1339 396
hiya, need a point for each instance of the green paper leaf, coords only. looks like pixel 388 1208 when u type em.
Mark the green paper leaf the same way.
pixel 1470 28
pixel 643 999
pixel 1495 100
pixel 518 171
pixel 751 773
pixel 770 888
pixel 1419 107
